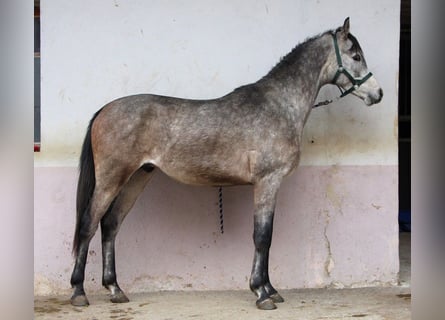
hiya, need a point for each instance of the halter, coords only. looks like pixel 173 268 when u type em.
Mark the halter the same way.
pixel 356 83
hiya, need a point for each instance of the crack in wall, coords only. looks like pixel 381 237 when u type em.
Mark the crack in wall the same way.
pixel 329 263
pixel 336 200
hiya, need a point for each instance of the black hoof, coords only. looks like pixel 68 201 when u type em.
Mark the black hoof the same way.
pixel 119 298
pixel 266 304
pixel 79 301
pixel 277 298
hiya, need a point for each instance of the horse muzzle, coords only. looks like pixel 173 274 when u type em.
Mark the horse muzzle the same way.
pixel 374 97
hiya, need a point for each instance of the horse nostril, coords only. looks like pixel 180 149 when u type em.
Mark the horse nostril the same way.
pixel 381 93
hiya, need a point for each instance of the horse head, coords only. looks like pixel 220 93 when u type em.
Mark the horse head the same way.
pixel 349 67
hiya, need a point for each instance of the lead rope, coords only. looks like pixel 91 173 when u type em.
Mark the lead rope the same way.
pixel 221 212
pixel 326 102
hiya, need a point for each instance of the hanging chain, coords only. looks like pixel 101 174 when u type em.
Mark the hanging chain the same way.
pixel 221 212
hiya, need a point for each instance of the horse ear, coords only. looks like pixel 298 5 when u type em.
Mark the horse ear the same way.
pixel 344 31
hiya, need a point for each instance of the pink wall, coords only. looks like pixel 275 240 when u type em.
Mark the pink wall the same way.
pixel 334 226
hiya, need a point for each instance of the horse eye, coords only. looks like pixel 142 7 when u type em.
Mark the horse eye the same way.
pixel 357 57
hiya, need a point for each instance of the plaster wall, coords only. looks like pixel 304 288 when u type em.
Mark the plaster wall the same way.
pixel 336 221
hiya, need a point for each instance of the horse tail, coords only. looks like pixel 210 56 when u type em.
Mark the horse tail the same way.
pixel 85 189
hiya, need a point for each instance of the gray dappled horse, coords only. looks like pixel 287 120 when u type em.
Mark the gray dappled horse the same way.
pixel 249 136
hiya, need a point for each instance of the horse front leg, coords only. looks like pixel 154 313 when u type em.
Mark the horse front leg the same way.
pixel 265 199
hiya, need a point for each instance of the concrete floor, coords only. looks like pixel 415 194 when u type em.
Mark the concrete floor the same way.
pixel 367 303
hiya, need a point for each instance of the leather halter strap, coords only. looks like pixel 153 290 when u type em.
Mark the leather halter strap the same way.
pixel 356 83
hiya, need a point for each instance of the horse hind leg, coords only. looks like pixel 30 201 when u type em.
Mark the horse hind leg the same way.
pixel 89 223
pixel 110 225
pixel 107 187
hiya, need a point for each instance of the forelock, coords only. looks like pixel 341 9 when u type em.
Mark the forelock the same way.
pixel 355 45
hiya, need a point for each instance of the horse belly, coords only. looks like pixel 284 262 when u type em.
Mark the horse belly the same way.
pixel 209 170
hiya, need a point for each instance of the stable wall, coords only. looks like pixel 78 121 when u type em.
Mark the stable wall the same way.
pixel 336 218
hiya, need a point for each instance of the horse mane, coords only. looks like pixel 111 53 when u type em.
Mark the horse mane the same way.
pixel 295 53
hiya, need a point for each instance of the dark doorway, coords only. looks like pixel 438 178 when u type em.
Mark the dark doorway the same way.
pixel 405 145
pixel 405 117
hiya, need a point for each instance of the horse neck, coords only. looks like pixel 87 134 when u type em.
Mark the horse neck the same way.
pixel 301 73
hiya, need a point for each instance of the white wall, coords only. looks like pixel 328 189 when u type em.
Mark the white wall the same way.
pixel 95 51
